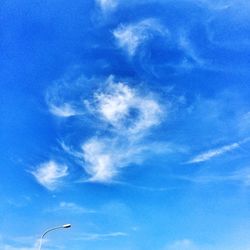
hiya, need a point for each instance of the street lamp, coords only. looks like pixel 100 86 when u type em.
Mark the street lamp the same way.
pixel 52 229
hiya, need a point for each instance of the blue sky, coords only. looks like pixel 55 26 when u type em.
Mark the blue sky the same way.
pixel 128 119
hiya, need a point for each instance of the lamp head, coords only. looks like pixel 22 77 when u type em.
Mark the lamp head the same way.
pixel 67 226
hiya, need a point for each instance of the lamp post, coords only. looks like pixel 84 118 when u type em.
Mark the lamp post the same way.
pixel 52 229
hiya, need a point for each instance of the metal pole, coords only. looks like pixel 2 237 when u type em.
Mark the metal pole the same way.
pixel 49 230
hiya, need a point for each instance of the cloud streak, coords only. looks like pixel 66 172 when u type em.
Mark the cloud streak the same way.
pixel 241 176
pixel 210 154
pixel 101 236
pixel 66 110
pixel 214 153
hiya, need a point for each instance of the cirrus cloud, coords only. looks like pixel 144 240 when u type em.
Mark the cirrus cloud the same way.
pixel 130 115
pixel 125 109
pixel 130 36
pixel 50 174
pixel 121 115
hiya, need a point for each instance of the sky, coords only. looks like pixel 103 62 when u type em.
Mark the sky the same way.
pixel 128 119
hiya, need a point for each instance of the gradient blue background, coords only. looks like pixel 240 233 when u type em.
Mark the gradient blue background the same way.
pixel 166 201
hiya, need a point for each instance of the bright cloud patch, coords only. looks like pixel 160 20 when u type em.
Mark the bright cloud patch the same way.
pixel 107 5
pixel 130 116
pixel 104 157
pixel 124 108
pixel 65 110
pixel 100 163
pixel 49 174
pixel 130 37
pixel 126 115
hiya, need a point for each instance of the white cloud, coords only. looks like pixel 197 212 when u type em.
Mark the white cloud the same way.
pixel 71 207
pixel 213 153
pixel 64 96
pixel 126 109
pixel 134 37
pixel 66 110
pixel 114 104
pixel 69 150
pixel 99 162
pixel 144 188
pixel 129 115
pixel 123 113
pixel 185 244
pixel 105 157
pixel 216 5
pixel 186 45
pixel 129 37
pixel 107 5
pixel 217 152
pixel 50 174
pixel 101 236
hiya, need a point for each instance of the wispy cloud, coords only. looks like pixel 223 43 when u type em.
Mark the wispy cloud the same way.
pixel 63 97
pixel 144 188
pixel 238 241
pixel 185 244
pixel 71 207
pixel 125 109
pixel 19 243
pixel 107 5
pixel 129 37
pixel 191 55
pixel 216 5
pixel 244 122
pixel 241 176
pixel 9 247
pixel 213 153
pixel 101 162
pixel 105 157
pixel 129 116
pixel 101 236
pixel 210 154
pixel 66 110
pixel 50 174
pixel 126 114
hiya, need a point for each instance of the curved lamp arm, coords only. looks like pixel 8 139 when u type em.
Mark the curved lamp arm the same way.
pixel 49 230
